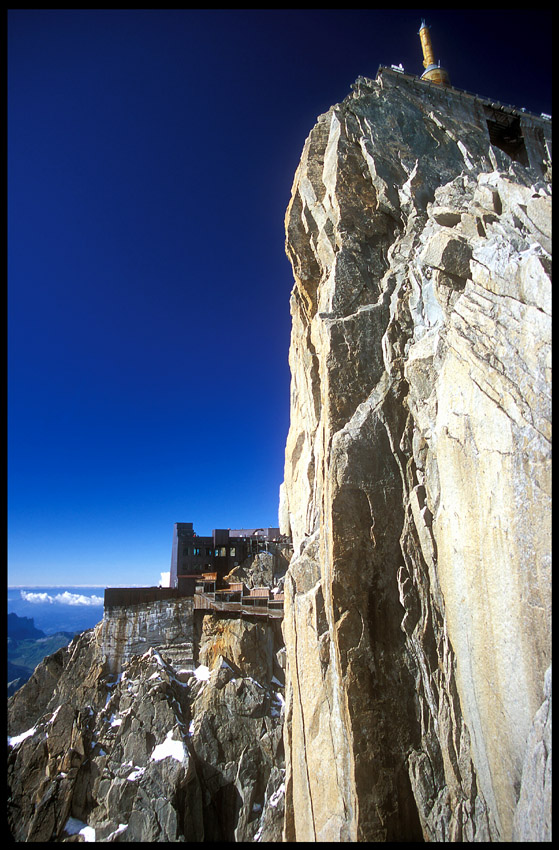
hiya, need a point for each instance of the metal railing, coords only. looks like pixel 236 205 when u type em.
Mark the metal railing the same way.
pixel 258 605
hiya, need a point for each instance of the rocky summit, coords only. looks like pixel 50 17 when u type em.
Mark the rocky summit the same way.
pixel 417 473
pixel 417 656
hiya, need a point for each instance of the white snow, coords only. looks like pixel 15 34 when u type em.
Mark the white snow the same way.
pixel 169 749
pixel 17 739
pixel 153 653
pixel 121 828
pixel 158 658
pixel 73 826
pixel 278 705
pixel 115 721
pixel 202 673
pixel 136 773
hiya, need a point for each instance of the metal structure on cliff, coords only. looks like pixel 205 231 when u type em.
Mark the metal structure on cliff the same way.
pixel 433 71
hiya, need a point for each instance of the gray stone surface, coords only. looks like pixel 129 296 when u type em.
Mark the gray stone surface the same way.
pixel 532 818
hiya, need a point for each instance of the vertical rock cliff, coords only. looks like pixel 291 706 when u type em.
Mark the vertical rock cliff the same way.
pixel 417 474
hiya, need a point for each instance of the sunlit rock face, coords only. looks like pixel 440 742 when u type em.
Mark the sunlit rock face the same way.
pixel 417 477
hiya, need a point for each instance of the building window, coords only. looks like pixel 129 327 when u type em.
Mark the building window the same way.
pixel 221 552
pixel 232 551
pixel 208 551
pixel 196 551
pixel 185 551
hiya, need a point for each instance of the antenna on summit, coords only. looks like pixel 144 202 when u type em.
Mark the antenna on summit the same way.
pixel 433 72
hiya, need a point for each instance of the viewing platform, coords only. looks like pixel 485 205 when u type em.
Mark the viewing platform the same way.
pixel 237 599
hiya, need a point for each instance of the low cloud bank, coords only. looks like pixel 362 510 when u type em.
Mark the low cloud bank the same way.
pixel 65 598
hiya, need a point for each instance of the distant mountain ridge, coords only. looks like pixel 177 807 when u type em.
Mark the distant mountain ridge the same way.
pixel 23 628
pixel 27 646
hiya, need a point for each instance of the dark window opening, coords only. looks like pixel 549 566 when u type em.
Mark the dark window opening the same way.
pixel 505 133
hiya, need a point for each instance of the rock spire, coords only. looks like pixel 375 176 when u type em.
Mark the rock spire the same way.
pixel 417 473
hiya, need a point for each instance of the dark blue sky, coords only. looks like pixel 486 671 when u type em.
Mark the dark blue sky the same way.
pixel 150 161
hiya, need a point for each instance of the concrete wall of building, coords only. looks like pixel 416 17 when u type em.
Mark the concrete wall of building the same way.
pixel 224 550
pixel 166 624
pixel 470 108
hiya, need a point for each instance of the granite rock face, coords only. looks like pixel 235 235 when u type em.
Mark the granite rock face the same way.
pixel 236 732
pixel 265 569
pixel 138 747
pixel 532 818
pixel 417 477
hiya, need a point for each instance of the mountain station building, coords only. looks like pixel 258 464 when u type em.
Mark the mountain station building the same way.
pixel 226 548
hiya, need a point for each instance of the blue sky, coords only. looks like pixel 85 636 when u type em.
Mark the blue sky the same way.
pixel 150 161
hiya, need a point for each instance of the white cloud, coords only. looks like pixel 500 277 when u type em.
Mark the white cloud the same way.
pixel 65 598
pixel 165 580
pixel 36 597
